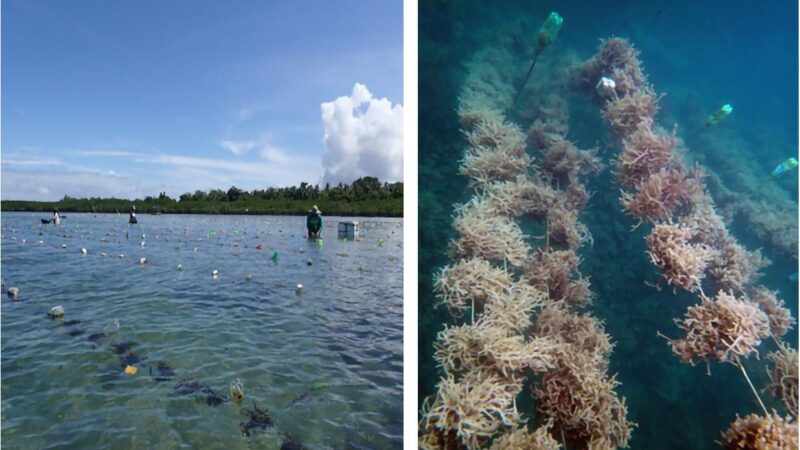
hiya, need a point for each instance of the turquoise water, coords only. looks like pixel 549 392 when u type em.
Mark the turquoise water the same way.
pixel 701 55
pixel 325 365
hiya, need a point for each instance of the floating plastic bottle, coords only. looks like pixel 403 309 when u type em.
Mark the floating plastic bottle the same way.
pixel 783 167
pixel 298 290
pixel 548 32
pixel 113 324
pixel 56 311
pixel 274 257
pixel 723 112
pixel 237 390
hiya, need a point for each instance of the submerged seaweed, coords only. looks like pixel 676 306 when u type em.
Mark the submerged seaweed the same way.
pixel 94 337
pixel 259 420
pixel 123 347
pixel 472 57
pixel 164 371
pixel 130 359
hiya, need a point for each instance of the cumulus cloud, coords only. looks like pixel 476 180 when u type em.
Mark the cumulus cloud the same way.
pixel 237 147
pixel 363 137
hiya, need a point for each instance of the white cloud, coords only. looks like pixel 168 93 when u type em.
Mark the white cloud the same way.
pixel 135 174
pixel 274 154
pixel 53 185
pixel 20 161
pixel 149 174
pixel 363 137
pixel 237 147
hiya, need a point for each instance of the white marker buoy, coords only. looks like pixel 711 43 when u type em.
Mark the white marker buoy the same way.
pixel 298 290
pixel 56 311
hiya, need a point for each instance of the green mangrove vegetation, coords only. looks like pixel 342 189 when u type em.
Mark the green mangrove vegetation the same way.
pixel 366 196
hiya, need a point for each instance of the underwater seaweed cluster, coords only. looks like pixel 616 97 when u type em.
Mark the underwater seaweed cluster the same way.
pixel 783 377
pixel 522 291
pixel 522 438
pixel 770 431
pixel 689 241
pixel 762 207
pixel 514 280
pixel 689 237
pixel 780 318
pixel 725 329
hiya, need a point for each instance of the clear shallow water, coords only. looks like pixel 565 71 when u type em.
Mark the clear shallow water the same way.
pixel 63 391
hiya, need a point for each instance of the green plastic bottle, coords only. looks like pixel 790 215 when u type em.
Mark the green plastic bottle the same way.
pixel 723 112
pixel 548 32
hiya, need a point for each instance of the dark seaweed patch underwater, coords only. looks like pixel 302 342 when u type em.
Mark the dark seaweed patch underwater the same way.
pixel 701 55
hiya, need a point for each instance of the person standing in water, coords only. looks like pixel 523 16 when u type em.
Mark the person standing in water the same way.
pixel 56 217
pixel 132 218
pixel 314 223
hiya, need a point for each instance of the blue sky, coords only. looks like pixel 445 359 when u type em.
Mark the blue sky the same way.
pixel 132 98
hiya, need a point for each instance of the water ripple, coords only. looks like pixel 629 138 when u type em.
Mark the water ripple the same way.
pixel 327 364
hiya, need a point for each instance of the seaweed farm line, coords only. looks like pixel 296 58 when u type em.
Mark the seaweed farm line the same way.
pixel 167 322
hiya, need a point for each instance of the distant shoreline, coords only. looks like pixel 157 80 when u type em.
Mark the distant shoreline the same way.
pixel 365 208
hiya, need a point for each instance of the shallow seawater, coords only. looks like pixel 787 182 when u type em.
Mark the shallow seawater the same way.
pixel 326 365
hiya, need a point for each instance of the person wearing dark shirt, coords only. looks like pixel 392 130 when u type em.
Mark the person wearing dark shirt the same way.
pixel 314 223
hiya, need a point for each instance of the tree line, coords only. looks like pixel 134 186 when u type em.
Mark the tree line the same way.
pixel 365 196
pixel 365 188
